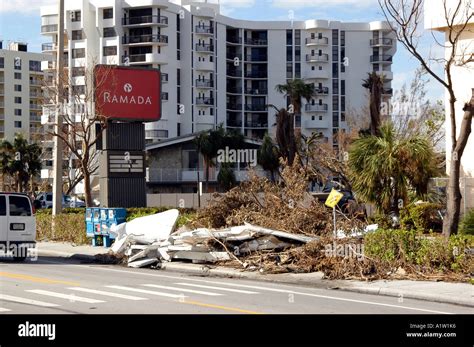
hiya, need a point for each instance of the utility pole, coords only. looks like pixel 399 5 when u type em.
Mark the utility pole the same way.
pixel 58 120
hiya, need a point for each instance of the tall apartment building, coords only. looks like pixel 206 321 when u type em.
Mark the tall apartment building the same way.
pixel 219 70
pixel 21 79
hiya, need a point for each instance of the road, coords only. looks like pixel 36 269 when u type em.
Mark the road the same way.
pixel 59 286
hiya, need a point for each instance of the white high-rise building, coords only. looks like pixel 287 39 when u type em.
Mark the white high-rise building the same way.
pixel 220 70
pixel 21 80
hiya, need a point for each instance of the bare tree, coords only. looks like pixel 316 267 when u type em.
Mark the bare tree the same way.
pixel 83 124
pixel 405 18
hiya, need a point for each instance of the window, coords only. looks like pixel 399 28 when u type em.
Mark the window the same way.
pixel 111 50
pixel 78 53
pixel 17 124
pixel 343 87
pixel 108 13
pixel 17 99
pixel 17 87
pixel 35 65
pixel 77 35
pixel 289 37
pixel 2 62
pixel 18 75
pixel 78 90
pixel 19 206
pixel 109 32
pixel 78 71
pixel 178 22
pixel 17 111
pixel 297 37
pixel 3 206
pixel 289 53
pixel 76 16
pixel 17 63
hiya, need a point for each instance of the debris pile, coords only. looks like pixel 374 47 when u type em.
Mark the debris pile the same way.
pixel 150 240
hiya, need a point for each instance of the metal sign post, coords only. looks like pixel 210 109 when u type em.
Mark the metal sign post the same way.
pixel 332 201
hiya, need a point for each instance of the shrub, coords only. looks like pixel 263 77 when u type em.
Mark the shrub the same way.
pixel 467 224
pixel 68 228
pixel 422 217
pixel 425 253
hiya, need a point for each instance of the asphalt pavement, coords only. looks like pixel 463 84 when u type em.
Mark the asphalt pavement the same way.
pixel 57 286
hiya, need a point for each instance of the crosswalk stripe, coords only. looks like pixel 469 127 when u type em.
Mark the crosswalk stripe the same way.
pixel 4 309
pixel 144 291
pixel 182 290
pixel 5 297
pixel 101 292
pixel 72 297
pixel 217 288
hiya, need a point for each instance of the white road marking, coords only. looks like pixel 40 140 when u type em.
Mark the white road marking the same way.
pixel 4 309
pixel 144 291
pixel 182 290
pixel 69 297
pixel 217 288
pixel 101 292
pixel 4 297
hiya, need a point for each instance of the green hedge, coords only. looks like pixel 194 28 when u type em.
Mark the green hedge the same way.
pixel 467 224
pixel 401 247
pixel 422 217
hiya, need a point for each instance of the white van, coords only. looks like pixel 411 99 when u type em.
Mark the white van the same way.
pixel 17 224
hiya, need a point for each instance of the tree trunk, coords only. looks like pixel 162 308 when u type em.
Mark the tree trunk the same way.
pixel 87 189
pixel 451 220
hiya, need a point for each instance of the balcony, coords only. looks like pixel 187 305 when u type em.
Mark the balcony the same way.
pixel 234 73
pixel 204 65
pixel 204 30
pixel 145 20
pixel 36 82
pixel 2 116
pixel 381 59
pixel 35 95
pixel 36 107
pixel 256 108
pixel 2 104
pixel 324 41
pixel 2 80
pixel 2 92
pixel 204 48
pixel 148 58
pixel 234 124
pixel 256 42
pixel 236 107
pixel 323 58
pixel 205 101
pixel 233 40
pixel 255 91
pixel 256 125
pixel 256 74
pixel 322 91
pixel 35 119
pixel 51 28
pixel 49 47
pixel 203 83
pixel 256 58
pixel 317 124
pixel 145 39
pixel 316 108
pixel 383 42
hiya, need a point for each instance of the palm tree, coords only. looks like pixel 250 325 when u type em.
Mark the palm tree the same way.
pixel 375 86
pixel 268 156
pixel 6 156
pixel 384 168
pixel 296 90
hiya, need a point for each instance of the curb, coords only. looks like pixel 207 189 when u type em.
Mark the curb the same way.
pixel 316 282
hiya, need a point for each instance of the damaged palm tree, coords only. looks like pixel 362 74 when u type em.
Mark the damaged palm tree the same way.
pixel 375 86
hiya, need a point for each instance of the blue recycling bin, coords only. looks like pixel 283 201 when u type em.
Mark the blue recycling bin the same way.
pixel 102 219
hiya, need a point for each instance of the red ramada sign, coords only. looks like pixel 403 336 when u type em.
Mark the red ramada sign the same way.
pixel 124 93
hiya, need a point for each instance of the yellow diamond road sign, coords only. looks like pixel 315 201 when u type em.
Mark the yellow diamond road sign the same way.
pixel 334 198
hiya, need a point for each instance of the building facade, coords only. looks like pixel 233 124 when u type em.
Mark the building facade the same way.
pixel 21 80
pixel 463 81
pixel 219 70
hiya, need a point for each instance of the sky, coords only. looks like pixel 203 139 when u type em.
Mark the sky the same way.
pixel 20 21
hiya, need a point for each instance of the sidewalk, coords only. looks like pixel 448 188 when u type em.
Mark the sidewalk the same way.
pixel 442 292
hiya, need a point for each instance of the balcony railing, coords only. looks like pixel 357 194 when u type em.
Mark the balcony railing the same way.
pixel 256 74
pixel 35 119
pixel 2 104
pixel 205 101
pixel 234 90
pixel 234 73
pixel 234 124
pixel 49 28
pixel 317 41
pixel 381 58
pixel 48 46
pixel 232 106
pixel 256 58
pixel 256 124
pixel 317 58
pixel 35 107
pixel 256 42
pixel 35 95
pixel 323 90
pixel 191 175
pixel 36 82
pixel 204 29
pixel 255 91
pixel 204 83
pixel 204 48
pixel 316 108
pixel 126 40
pixel 254 107
pixel 234 40
pixel 232 56
pixel 145 20
pixel 381 42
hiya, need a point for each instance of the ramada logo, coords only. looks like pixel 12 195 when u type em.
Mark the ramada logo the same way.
pixel 125 99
